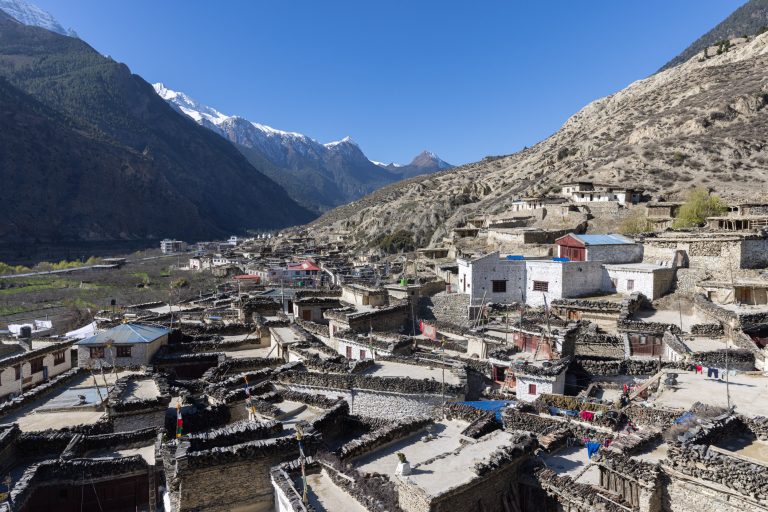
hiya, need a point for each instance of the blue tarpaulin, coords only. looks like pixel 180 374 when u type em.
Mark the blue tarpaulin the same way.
pixel 494 406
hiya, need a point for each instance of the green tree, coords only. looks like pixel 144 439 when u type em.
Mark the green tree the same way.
pixel 698 206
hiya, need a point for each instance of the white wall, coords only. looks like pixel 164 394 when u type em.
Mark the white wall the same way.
pixel 480 274
pixel 543 385
pixel 9 385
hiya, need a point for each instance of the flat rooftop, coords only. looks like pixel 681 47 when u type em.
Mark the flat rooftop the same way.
pixel 142 389
pixel 573 461
pixel 672 316
pixel 455 469
pixel 704 344
pixel 326 496
pixel 748 392
pixel 384 460
pixel 60 408
pixel 393 369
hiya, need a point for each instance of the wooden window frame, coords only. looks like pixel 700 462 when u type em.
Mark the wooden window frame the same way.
pixel 541 286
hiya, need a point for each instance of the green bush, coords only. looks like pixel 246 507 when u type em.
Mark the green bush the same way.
pixel 699 205
pixel 399 241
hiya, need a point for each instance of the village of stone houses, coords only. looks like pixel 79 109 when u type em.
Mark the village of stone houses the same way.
pixel 506 369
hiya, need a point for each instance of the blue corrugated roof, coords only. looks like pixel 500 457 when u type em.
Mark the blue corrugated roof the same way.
pixel 603 239
pixel 126 334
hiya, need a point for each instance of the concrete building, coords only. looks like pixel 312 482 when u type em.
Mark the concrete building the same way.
pixel 21 371
pixel 169 246
pixel 534 379
pixel 588 192
pixel 605 248
pixel 492 279
pixel 557 279
pixel 361 295
pixel 124 345
pixel 653 281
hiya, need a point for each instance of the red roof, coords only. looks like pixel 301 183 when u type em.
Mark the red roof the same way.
pixel 304 265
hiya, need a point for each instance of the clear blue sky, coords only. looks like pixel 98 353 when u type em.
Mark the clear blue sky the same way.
pixel 463 79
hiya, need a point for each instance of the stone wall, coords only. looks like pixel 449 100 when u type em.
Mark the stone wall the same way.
pixel 381 437
pixel 447 309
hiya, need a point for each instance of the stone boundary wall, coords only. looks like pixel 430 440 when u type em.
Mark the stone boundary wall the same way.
pixel 573 496
pixel 222 370
pixel 80 444
pixel 228 396
pixel 330 422
pixel 713 330
pixel 367 382
pixel 39 391
pixel 448 344
pixel 737 359
pixel 313 328
pixel 522 445
pixel 726 317
pixel 280 446
pixel 288 498
pixel 381 437
pixel 645 473
pixel 73 472
pixel 655 416
pixel 572 403
pixel 375 492
pixel 46 443
pixel 235 433
pixel 758 425
pixel 197 419
pixel 480 422
pixel 693 456
pixel 516 420
pixel 611 367
pixel 320 401
pixel 120 404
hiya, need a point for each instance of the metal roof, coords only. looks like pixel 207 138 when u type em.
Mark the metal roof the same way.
pixel 126 334
pixel 602 239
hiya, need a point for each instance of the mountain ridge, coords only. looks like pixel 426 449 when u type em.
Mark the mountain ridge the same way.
pixel 702 123
pixel 339 170
pixel 747 20
pixel 203 185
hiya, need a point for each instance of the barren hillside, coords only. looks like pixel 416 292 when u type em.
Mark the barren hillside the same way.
pixel 703 122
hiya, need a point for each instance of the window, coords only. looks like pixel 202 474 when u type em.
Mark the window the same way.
pixel 37 365
pixel 349 352
pixel 124 351
pixel 499 286
pixel 541 286
pixel 531 389
pixel 97 352
pixel 362 355
pixel 630 284
pixel 58 358
pixel 18 372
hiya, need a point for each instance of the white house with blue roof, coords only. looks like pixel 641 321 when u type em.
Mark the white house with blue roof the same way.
pixel 124 345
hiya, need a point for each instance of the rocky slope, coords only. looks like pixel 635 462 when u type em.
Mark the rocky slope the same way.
pixel 704 122
pixel 148 171
pixel 747 20
pixel 318 176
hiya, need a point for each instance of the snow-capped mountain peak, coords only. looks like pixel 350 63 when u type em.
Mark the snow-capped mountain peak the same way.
pixel 190 107
pixel 345 140
pixel 30 14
